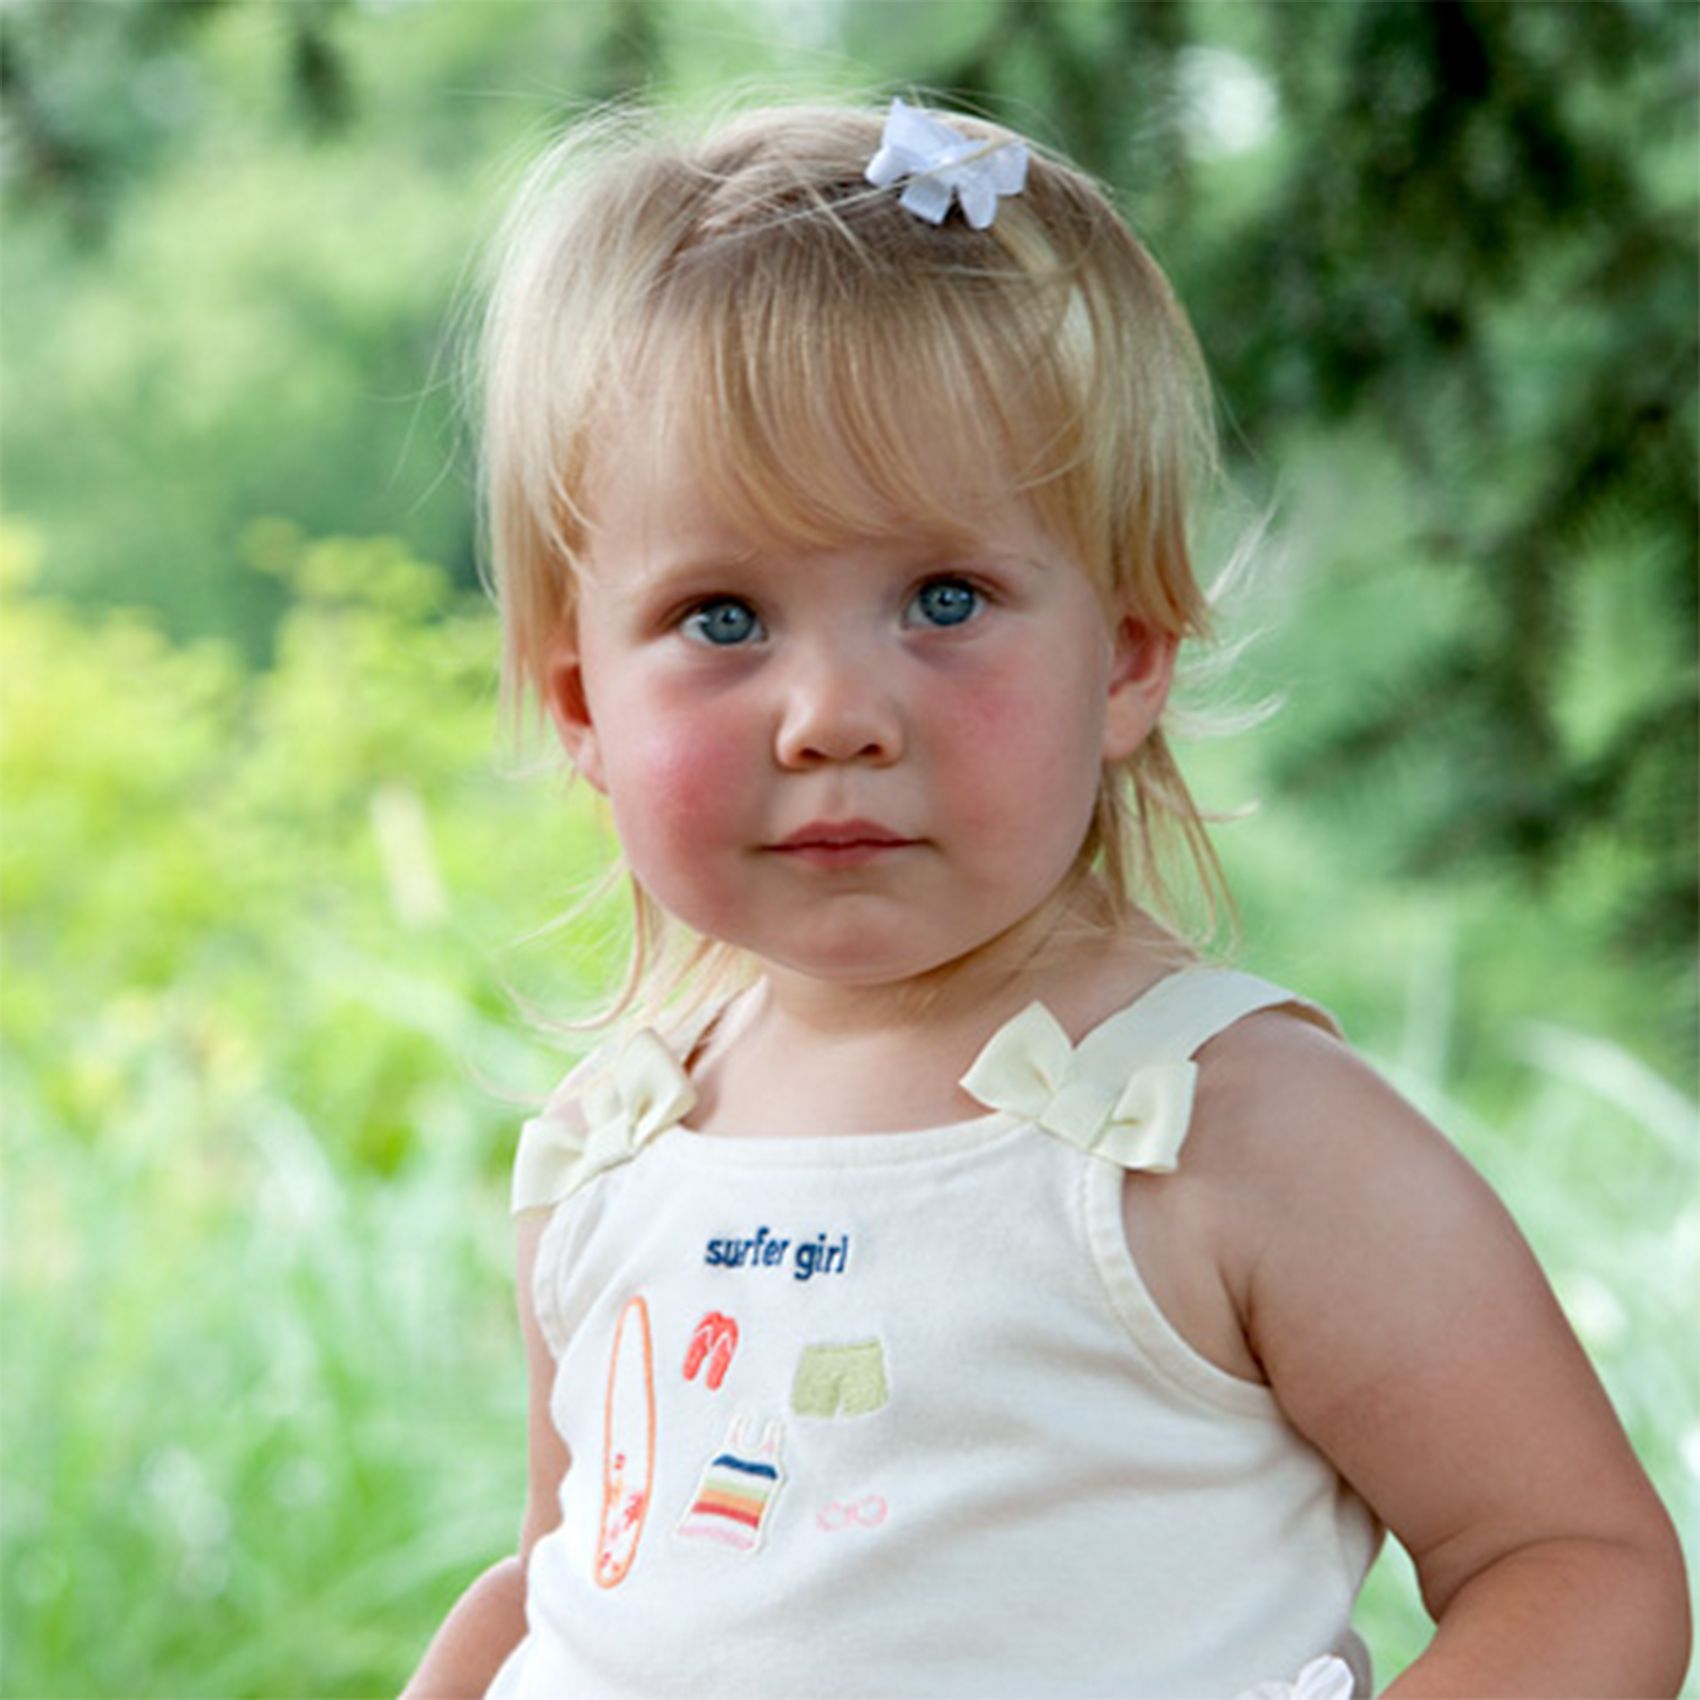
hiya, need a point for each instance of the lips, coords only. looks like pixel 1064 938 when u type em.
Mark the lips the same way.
pixel 842 844
pixel 842 835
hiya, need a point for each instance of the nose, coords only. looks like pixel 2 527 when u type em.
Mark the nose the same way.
pixel 839 705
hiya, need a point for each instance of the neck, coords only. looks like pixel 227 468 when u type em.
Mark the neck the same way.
pixel 799 1052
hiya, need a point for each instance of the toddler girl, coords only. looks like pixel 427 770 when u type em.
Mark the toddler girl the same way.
pixel 837 478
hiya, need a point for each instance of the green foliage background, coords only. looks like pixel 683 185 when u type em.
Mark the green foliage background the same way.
pixel 269 884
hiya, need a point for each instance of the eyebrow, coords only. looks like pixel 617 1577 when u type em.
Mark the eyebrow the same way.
pixel 650 570
pixel 659 575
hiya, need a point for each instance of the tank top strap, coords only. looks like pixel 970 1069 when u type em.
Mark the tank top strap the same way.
pixel 1182 1012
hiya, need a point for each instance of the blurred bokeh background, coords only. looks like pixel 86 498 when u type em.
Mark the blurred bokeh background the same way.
pixel 276 900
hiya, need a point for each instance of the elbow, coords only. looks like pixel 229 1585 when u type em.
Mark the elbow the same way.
pixel 1669 1611
pixel 1642 1608
pixel 1653 1599
pixel 1598 1615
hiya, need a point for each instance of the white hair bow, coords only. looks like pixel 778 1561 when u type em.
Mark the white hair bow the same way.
pixel 942 164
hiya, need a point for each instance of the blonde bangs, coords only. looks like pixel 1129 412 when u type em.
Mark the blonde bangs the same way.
pixel 821 409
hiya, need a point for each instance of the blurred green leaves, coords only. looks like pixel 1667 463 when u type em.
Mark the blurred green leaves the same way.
pixel 260 1078
pixel 247 867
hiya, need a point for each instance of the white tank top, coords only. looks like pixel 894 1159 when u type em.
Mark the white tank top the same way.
pixel 894 1414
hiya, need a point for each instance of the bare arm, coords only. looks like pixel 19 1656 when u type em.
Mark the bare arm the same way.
pixel 488 1621
pixel 1406 1329
pixel 484 1626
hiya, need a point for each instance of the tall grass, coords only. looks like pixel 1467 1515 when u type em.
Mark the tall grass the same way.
pixel 259 1411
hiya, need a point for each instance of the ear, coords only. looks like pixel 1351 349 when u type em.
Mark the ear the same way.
pixel 568 705
pixel 1141 672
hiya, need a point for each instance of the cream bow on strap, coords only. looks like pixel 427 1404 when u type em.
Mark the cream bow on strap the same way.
pixel 642 1094
pixel 1137 1120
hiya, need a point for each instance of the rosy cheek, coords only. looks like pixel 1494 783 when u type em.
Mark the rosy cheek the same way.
pixel 997 711
pixel 1012 730
pixel 975 735
pixel 681 784
pixel 986 714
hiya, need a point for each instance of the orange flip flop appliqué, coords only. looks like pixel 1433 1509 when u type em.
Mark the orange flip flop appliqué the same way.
pixel 715 1340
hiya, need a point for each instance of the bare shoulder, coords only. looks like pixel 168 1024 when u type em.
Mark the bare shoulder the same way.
pixel 1277 1076
pixel 1289 1127
pixel 1323 1180
pixel 1321 1172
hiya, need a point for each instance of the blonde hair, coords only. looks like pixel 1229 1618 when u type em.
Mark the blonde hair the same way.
pixel 813 334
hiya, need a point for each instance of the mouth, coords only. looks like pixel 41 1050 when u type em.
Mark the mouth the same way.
pixel 841 843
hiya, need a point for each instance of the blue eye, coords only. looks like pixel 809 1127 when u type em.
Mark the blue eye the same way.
pixel 722 621
pixel 946 602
